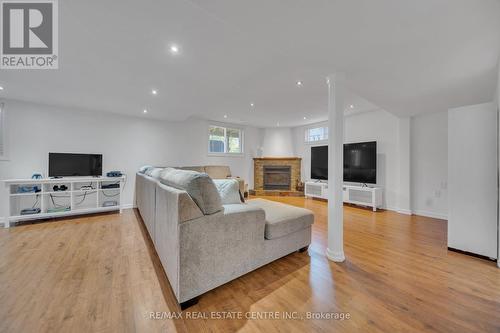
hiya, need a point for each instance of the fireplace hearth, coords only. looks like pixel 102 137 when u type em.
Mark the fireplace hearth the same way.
pixel 277 177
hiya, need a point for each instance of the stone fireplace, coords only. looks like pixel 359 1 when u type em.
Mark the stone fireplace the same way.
pixel 276 176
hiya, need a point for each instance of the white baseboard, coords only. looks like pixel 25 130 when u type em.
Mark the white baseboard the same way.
pixel 431 214
pixel 419 213
pixel 404 211
pixel 393 209
pixel 397 210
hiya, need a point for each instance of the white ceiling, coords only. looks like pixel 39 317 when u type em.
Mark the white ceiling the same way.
pixel 405 56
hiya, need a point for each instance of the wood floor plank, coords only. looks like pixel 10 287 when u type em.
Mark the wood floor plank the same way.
pixel 100 273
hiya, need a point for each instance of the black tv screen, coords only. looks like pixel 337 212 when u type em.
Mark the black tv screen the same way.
pixel 360 162
pixel 319 162
pixel 66 165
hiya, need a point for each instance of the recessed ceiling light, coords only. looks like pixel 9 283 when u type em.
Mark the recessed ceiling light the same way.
pixel 351 106
pixel 144 111
pixel 299 83
pixel 252 105
pixel 1 88
pixel 174 49
pixel 225 116
pixel 154 92
pixel 305 118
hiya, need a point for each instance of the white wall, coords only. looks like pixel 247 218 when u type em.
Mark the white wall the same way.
pixel 472 179
pixel 497 96
pixel 380 126
pixel 404 155
pixel 126 142
pixel 303 150
pixel 497 99
pixel 429 165
pixel 277 142
pixel 409 150
pixel 195 149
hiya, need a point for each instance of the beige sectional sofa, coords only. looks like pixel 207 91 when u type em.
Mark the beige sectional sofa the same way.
pixel 218 172
pixel 203 243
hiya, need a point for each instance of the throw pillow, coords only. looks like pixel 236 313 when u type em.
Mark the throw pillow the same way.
pixel 143 169
pixel 229 191
pixel 198 185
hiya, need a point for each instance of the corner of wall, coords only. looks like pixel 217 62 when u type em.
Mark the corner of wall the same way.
pixel 497 100
pixel 497 96
pixel 404 195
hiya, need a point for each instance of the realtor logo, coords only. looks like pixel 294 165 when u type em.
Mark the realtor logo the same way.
pixel 29 34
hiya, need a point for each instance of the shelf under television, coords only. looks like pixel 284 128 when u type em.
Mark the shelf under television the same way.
pixel 18 201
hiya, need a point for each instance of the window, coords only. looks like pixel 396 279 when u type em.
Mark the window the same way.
pixel 315 134
pixel 3 134
pixel 222 140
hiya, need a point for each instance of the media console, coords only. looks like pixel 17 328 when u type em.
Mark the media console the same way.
pixel 31 199
pixel 370 196
pixel 316 190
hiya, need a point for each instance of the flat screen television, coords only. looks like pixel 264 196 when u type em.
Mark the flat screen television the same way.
pixel 67 165
pixel 360 162
pixel 319 162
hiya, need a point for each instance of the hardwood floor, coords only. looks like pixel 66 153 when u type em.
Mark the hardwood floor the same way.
pixel 99 273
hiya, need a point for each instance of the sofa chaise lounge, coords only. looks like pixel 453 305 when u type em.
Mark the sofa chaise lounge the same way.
pixel 203 243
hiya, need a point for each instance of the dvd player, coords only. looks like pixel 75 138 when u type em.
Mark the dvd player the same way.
pixel 30 211
pixel 106 186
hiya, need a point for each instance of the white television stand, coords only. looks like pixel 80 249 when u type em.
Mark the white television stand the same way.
pixel 370 196
pixel 316 189
pixel 76 199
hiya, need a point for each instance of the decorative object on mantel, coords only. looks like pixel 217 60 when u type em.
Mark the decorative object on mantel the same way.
pixel 277 176
pixel 260 151
pixel 300 186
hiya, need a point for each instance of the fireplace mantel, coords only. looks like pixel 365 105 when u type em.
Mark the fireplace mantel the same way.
pixel 276 158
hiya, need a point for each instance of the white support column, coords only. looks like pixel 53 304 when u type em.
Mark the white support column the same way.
pixel 404 195
pixel 335 250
